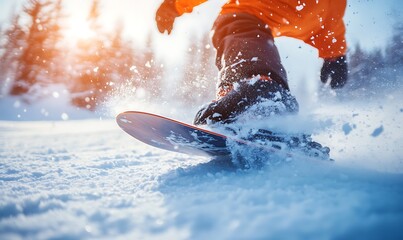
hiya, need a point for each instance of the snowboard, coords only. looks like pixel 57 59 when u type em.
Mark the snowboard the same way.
pixel 172 135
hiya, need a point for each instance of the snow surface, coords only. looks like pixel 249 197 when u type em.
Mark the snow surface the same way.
pixel 88 179
pixel 48 103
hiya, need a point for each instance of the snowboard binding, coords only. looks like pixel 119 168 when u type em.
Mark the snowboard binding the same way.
pixel 301 142
pixel 283 143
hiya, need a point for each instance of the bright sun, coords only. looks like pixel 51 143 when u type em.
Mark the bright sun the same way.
pixel 77 23
pixel 138 18
pixel 78 29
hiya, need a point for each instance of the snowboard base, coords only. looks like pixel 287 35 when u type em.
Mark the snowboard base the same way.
pixel 175 136
pixel 172 135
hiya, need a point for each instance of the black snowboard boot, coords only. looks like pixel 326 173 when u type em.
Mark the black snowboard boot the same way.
pixel 264 96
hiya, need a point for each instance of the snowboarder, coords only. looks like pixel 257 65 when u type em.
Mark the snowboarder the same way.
pixel 250 69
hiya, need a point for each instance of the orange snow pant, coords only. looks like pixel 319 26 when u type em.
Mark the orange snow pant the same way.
pixel 245 48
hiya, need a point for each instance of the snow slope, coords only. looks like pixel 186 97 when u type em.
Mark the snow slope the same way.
pixel 88 179
pixel 51 103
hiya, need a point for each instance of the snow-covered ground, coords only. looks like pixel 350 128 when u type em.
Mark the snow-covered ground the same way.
pixel 88 179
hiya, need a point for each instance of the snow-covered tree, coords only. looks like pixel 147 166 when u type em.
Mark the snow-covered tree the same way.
pixel 377 68
pixel 102 63
pixel 150 69
pixel 199 77
pixel 11 49
pixel 186 89
pixel 207 71
pixel 394 51
pixel 38 54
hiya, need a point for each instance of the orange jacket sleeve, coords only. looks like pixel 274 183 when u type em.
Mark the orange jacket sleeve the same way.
pixel 329 38
pixel 317 23
pixel 186 6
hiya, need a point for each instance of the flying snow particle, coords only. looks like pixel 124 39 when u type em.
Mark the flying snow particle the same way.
pixel 347 128
pixel 55 94
pixel 133 69
pixel 377 131
pixel 88 228
pixel 44 112
pixel 64 116
pixel 17 104
pixel 216 115
pixel 300 7
pixel 95 69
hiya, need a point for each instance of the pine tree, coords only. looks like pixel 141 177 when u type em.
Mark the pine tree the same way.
pixel 150 70
pixel 394 51
pixel 55 50
pixel 11 48
pixel 207 70
pixel 103 64
pixel 122 56
pixel 357 67
pixel 90 79
pixel 394 56
pixel 36 60
pixel 186 89
pixel 198 83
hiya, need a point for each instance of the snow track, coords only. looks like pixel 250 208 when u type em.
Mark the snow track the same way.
pixel 89 179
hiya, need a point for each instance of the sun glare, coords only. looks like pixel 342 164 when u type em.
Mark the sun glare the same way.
pixel 78 29
pixel 77 24
pixel 138 19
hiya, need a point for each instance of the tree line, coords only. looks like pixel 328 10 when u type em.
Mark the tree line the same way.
pixel 33 55
pixel 379 68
